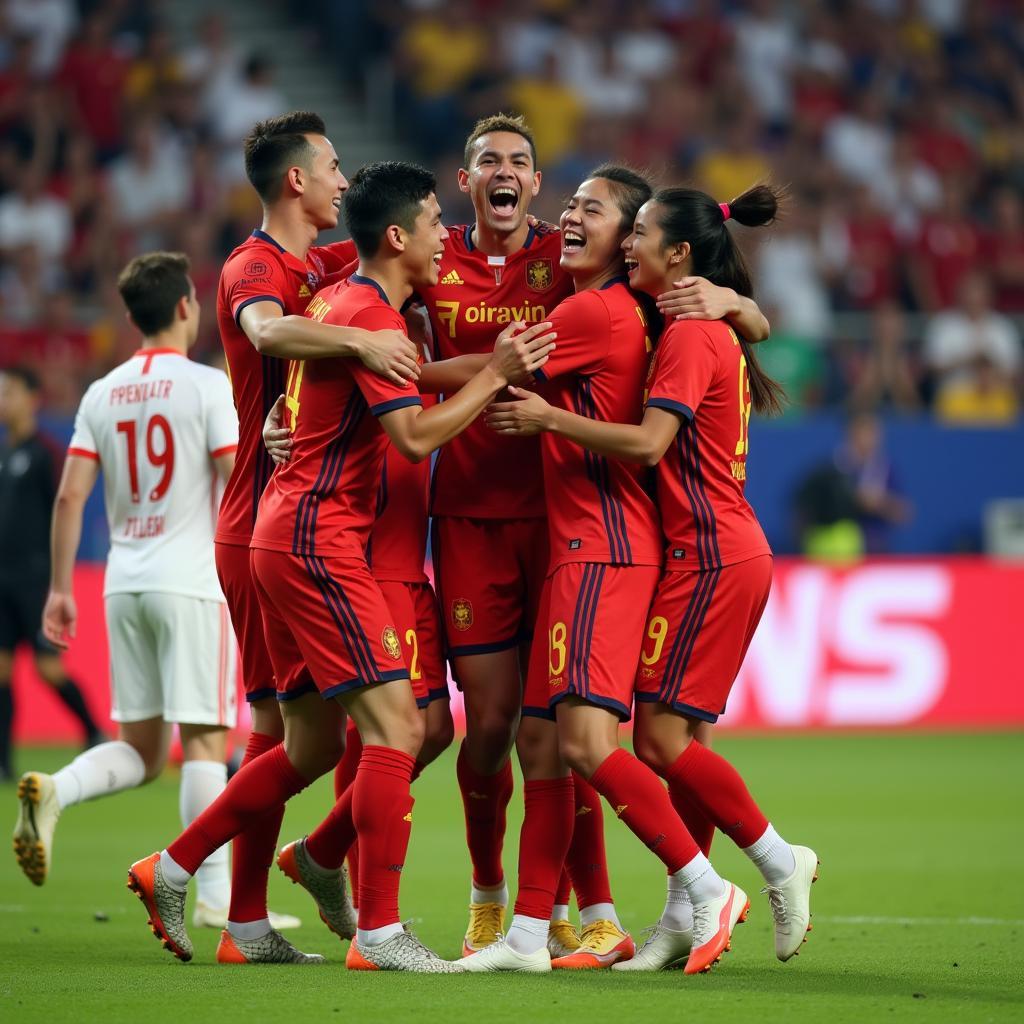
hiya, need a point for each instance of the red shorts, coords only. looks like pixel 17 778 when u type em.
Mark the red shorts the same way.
pixel 236 581
pixel 489 575
pixel 593 617
pixel 418 622
pixel 327 625
pixel 700 627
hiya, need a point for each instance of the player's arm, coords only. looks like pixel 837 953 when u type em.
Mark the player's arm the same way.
pixel 696 298
pixel 388 353
pixel 60 616
pixel 416 432
pixel 224 464
pixel 644 443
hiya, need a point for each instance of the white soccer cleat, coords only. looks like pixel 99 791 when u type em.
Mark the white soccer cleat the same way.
pixel 662 950
pixel 37 818
pixel 713 922
pixel 205 916
pixel 791 903
pixel 500 956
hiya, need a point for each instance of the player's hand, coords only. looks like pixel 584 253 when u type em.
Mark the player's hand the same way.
pixel 277 438
pixel 696 298
pixel 392 355
pixel 529 414
pixel 60 619
pixel 536 222
pixel 520 350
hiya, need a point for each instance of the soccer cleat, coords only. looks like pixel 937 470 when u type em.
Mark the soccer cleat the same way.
pixel 563 939
pixel 662 950
pixel 272 948
pixel 33 831
pixel 500 956
pixel 205 916
pixel 791 903
pixel 713 922
pixel 602 943
pixel 486 922
pixel 329 890
pixel 164 904
pixel 402 952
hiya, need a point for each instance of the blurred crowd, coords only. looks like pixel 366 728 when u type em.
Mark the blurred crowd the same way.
pixel 894 282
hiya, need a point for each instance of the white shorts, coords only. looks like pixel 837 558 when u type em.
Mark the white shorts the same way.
pixel 171 657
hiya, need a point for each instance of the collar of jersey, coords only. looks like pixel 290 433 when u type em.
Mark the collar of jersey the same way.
pixel 611 282
pixel 294 260
pixel 359 279
pixel 467 237
pixel 145 353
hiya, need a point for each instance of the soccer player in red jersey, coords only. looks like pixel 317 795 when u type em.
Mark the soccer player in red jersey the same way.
pixel 718 565
pixel 333 643
pixel 265 285
pixel 605 545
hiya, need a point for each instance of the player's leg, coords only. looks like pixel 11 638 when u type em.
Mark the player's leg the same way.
pixel 6 709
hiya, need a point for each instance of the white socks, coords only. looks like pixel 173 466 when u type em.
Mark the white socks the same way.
pixel 599 912
pixel 678 913
pixel 101 771
pixel 496 895
pixel 201 783
pixel 560 912
pixel 174 874
pixel 527 934
pixel 375 936
pixel 772 856
pixel 699 879
pixel 247 931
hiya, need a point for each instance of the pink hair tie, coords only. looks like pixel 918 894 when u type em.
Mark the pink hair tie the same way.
pixel 724 207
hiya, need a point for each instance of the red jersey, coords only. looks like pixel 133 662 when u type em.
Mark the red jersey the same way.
pixel 598 510
pixel 259 270
pixel 699 372
pixel 481 474
pixel 324 500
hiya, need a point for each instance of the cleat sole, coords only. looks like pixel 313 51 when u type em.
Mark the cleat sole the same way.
pixel 28 850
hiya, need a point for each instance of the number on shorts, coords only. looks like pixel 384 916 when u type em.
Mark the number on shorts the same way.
pixel 291 401
pixel 657 630
pixel 414 661
pixel 556 649
pixel 162 459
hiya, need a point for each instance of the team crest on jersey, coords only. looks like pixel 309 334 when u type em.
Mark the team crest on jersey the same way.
pixel 389 641
pixel 462 614
pixel 539 275
pixel 304 292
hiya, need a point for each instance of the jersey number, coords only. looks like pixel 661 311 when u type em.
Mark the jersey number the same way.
pixel 743 444
pixel 162 459
pixel 291 401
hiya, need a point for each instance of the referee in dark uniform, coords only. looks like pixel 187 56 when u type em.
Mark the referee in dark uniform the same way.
pixel 29 466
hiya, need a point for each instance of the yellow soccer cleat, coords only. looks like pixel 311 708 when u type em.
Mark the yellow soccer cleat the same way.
pixel 486 924
pixel 602 943
pixel 563 939
pixel 38 811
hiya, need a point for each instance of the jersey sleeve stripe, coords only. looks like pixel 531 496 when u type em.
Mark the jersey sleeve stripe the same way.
pixel 84 453
pixel 395 403
pixel 223 451
pixel 672 406
pixel 255 298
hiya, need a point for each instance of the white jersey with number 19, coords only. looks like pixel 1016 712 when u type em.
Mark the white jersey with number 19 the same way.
pixel 155 423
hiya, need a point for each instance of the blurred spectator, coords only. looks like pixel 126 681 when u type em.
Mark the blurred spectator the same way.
pixel 887 377
pixel 955 339
pixel 859 143
pixel 907 189
pixel 1004 250
pixel 29 216
pixel 26 280
pixel 766 53
pixel 155 69
pixel 48 23
pixel 589 63
pixel 981 396
pixel 737 162
pixel 552 110
pixel 252 98
pixel 212 63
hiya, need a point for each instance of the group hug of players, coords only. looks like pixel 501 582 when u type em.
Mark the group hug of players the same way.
pixel 592 546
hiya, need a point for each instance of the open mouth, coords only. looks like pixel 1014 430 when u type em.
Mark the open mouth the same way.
pixel 504 200
pixel 572 241
pixel 438 256
pixel 631 264
pixel 336 203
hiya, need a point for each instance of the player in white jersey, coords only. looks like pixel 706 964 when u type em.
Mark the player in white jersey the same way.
pixel 164 431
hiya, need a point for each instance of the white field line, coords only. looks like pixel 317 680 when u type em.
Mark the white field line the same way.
pixel 984 922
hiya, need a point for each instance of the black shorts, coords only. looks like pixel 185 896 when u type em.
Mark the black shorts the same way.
pixel 21 613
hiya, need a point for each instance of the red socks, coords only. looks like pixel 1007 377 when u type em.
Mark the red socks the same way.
pixel 344 776
pixel 637 796
pixel 586 862
pixel 485 799
pixel 543 844
pixel 263 785
pixel 697 823
pixel 719 791
pixel 382 811
pixel 335 836
pixel 564 891
pixel 252 852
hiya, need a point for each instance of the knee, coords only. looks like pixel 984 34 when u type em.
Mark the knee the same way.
pixel 266 718
pixel 537 748
pixel 490 735
pixel 312 762
pixel 438 736
pixel 651 752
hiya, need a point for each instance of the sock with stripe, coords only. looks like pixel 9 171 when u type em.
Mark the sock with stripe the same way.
pixel 485 799
pixel 638 797
pixel 201 783
pixel 382 811
pixel 587 863
pixel 253 849
pixel 100 771
pixel 543 844
pixel 263 785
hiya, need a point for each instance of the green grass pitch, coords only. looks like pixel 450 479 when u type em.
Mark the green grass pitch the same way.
pixel 919 912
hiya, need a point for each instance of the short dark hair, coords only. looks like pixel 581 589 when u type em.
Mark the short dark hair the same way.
pixel 514 123
pixel 381 194
pixel 151 286
pixel 274 145
pixel 28 377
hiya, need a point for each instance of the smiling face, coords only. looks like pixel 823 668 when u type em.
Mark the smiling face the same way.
pixel 501 180
pixel 648 259
pixel 591 230
pixel 424 244
pixel 323 184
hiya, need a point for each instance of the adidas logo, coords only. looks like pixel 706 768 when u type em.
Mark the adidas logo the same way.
pixel 452 277
pixel 474 795
pixel 620 810
pixel 407 817
pixel 583 810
